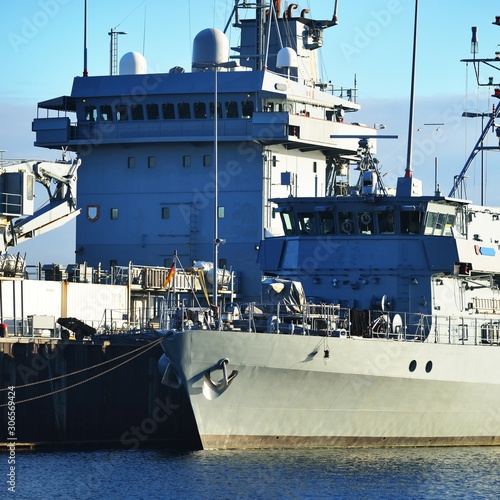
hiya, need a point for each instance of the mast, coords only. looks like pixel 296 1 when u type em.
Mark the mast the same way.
pixel 408 171
pixel 85 16
pixel 259 34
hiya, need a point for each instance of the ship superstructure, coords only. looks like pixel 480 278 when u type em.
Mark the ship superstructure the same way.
pixel 146 141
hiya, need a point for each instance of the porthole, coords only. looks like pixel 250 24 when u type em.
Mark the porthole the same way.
pixel 413 366
pixel 428 366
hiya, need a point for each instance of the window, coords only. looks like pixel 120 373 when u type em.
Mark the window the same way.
pixel 30 187
pixel 106 113
pixel 167 109
pixel 151 161
pixel 288 223
pixel 90 113
pixel 219 110
pixel 113 263
pixel 247 109
pixel 165 213
pixel 121 112
pixel 152 111
pixel 220 212
pixel 346 223
pixel 131 162
pixel 114 214
pixel 365 223
pixel 307 223
pixel 136 112
pixel 386 222
pixel 410 222
pixel 231 109
pixel 439 224
pixel 207 160
pixel 186 161
pixel 326 225
pixel 184 110
pixel 315 167
pixel 200 110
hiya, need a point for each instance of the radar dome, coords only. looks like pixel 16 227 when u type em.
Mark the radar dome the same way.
pixel 210 46
pixel 133 63
pixel 286 58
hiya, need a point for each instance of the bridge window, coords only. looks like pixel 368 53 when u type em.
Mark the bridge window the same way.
pixel 137 112
pixel 90 113
pixel 346 223
pixel 411 222
pixel 152 112
pixel 121 112
pixel 307 223
pixel 288 223
pixel 386 222
pixel 365 222
pixel 438 224
pixel 247 109
pixel 326 224
pixel 184 110
pixel 200 110
pixel 219 110
pixel 106 113
pixel 231 109
pixel 167 108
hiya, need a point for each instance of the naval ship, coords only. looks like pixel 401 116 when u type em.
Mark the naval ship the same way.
pixel 379 318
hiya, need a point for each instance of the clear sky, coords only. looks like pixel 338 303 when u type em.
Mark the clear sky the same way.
pixel 41 45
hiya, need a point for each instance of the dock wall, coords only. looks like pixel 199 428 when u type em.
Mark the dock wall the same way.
pixel 104 392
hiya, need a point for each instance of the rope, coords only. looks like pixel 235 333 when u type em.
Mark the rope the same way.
pixel 85 369
pixel 144 349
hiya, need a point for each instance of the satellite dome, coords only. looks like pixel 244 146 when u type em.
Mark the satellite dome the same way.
pixel 286 58
pixel 210 47
pixel 133 63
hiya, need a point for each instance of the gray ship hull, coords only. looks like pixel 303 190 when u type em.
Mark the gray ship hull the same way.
pixel 289 392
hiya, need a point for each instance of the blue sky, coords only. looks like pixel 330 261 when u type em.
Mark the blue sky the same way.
pixel 41 43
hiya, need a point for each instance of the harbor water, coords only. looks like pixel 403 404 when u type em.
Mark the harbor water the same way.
pixel 412 473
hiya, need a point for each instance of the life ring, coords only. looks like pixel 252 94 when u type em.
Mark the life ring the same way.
pixel 366 218
pixel 347 226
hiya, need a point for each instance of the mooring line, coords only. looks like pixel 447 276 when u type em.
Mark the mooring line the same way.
pixel 144 349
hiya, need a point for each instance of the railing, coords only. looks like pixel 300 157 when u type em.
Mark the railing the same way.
pixel 335 321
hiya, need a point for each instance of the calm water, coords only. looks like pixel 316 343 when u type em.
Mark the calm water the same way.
pixel 150 474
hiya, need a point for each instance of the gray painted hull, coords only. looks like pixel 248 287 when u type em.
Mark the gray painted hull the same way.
pixel 288 394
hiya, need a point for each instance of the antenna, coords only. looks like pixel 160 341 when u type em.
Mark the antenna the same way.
pixel 85 16
pixel 408 172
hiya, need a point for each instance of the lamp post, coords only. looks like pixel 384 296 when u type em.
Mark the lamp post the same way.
pixel 470 114
pixel 217 241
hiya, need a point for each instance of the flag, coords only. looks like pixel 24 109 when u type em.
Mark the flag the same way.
pixel 169 277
